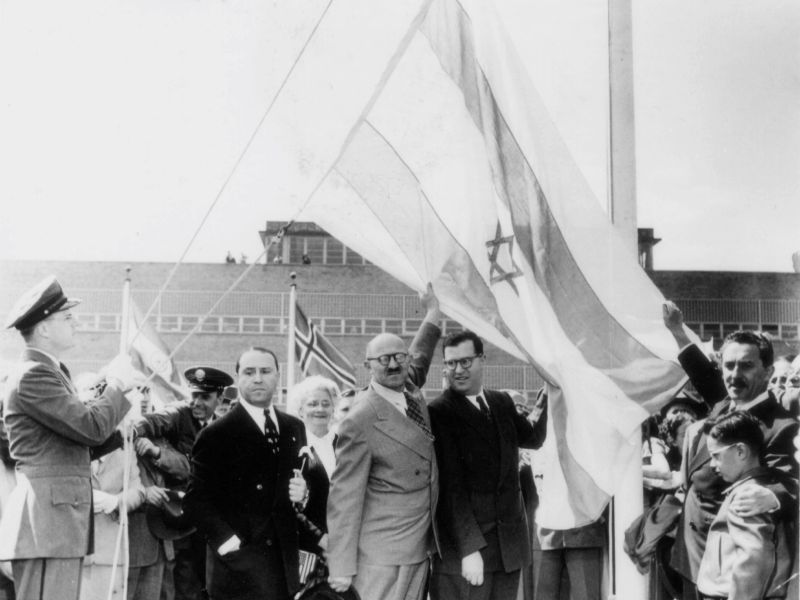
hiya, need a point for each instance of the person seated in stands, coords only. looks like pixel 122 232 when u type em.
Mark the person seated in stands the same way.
pixel 745 556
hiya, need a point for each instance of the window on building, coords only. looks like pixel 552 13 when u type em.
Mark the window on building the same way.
pixel 168 323
pixel 86 322
pixel 315 250
pixel 373 326
pixel 353 258
pixel 108 322
pixel 729 328
pixel 771 329
pixel 231 325
pixel 332 326
pixel 272 325
pixel 297 247
pixel 334 252
pixel 251 324
pixel 352 326
pixel 789 332
pixel 411 326
pixel 394 326
pixel 711 330
pixel 187 322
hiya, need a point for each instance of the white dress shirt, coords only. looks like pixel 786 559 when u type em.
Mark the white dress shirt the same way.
pixel 323 446
pixel 396 399
pixel 258 415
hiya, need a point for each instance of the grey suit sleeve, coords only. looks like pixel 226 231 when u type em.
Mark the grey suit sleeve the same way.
pixel 42 395
pixel 421 351
pixel 346 499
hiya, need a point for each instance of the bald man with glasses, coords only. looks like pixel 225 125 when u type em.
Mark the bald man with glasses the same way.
pixel 384 488
pixel 484 541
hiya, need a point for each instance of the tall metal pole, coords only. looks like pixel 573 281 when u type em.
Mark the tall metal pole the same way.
pixel 626 582
pixel 290 355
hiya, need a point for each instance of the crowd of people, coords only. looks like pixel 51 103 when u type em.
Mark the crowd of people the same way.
pixel 375 493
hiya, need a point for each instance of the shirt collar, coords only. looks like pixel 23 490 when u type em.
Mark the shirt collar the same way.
pixel 258 413
pixel 393 397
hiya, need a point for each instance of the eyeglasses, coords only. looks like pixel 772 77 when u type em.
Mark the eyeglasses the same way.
pixel 465 363
pixel 715 454
pixel 384 359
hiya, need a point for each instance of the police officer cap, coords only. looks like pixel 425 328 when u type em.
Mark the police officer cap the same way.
pixel 38 303
pixel 207 379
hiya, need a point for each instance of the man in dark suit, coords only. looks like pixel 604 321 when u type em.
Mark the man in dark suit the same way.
pixel 242 489
pixel 481 515
pixel 46 527
pixel 178 425
pixel 385 484
pixel 745 372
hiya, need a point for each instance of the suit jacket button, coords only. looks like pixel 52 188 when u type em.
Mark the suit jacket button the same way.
pixel 259 487
pixel 269 542
pixel 416 472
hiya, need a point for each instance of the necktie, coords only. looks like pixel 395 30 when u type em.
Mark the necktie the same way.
pixel 484 409
pixel 414 413
pixel 271 432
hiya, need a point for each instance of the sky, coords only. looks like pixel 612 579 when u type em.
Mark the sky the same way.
pixel 121 122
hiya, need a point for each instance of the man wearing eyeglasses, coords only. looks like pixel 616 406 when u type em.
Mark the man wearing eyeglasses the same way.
pixel 747 359
pixel 483 530
pixel 46 528
pixel 384 488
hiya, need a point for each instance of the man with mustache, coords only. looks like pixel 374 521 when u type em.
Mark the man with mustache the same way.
pixel 385 485
pixel 746 368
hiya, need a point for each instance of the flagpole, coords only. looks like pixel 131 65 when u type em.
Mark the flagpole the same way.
pixel 626 582
pixel 127 456
pixel 290 354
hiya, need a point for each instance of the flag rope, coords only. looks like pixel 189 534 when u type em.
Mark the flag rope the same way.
pixel 233 170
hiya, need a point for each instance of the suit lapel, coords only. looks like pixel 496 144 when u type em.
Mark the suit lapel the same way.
pixel 509 454
pixel 470 415
pixel 41 357
pixel 287 440
pixel 399 427
pixel 700 456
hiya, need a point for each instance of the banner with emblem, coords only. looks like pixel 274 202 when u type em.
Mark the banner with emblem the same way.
pixel 434 157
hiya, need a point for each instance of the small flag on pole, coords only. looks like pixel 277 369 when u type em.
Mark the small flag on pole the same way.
pixel 152 356
pixel 318 356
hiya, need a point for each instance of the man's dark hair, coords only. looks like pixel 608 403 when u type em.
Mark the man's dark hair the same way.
pixel 457 337
pixel 753 338
pixel 258 349
pixel 738 426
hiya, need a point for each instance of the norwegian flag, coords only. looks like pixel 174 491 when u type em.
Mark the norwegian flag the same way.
pixel 318 356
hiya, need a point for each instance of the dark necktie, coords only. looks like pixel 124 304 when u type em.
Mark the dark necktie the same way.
pixel 484 409
pixel 271 432
pixel 414 413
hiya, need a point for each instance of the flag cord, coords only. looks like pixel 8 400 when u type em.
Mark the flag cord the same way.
pixel 274 240
pixel 233 170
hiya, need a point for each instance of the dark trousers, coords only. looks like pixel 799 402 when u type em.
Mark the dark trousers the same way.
pixel 583 565
pixel 497 585
pixel 189 572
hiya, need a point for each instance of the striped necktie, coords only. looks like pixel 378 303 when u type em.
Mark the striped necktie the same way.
pixel 414 413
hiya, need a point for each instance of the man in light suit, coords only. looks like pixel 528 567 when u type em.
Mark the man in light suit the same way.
pixel 243 487
pixel 46 528
pixel 481 515
pixel 384 488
